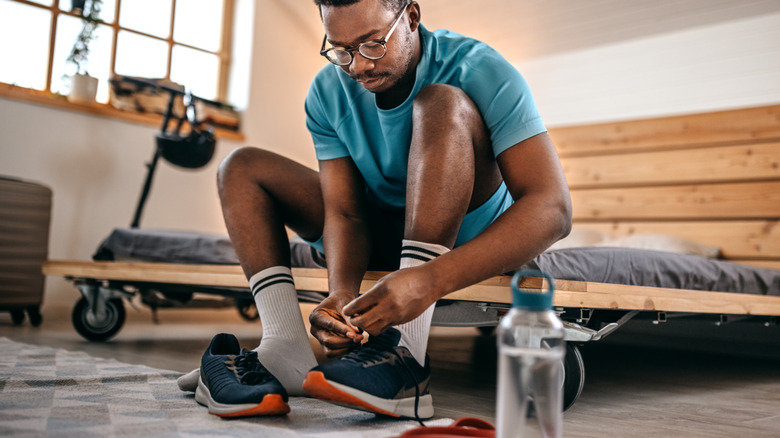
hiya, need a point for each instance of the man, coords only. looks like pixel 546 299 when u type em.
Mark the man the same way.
pixel 432 159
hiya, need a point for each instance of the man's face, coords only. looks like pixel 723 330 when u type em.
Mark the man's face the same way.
pixel 348 26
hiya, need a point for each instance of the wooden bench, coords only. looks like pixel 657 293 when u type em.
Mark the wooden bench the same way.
pixel 575 294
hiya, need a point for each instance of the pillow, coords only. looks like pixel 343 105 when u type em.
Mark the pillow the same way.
pixel 660 242
pixel 580 237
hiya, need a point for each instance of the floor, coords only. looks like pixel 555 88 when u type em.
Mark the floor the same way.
pixel 675 379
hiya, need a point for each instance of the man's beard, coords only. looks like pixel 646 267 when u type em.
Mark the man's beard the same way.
pixel 407 74
pixel 363 77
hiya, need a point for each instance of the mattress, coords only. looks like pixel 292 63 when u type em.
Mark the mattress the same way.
pixel 614 265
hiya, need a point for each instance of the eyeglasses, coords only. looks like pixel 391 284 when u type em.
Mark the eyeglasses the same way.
pixel 374 49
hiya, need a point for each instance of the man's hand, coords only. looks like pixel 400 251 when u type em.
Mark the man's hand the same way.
pixel 397 298
pixel 328 324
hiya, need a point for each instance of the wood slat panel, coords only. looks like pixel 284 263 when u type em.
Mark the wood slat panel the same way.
pixel 614 296
pixel 496 289
pixel 736 239
pixel 701 165
pixel 769 264
pixel 196 275
pixel 201 275
pixel 723 127
pixel 708 201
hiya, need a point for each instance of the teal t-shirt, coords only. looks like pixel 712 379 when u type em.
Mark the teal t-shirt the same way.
pixel 344 120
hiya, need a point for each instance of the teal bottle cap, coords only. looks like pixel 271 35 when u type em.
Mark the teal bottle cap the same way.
pixel 532 299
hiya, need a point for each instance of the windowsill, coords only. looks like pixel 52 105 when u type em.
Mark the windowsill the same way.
pixel 99 109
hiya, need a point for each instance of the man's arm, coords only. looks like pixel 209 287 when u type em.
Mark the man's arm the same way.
pixel 347 249
pixel 540 216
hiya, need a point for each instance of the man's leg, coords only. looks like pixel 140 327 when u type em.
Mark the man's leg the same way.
pixel 261 192
pixel 451 171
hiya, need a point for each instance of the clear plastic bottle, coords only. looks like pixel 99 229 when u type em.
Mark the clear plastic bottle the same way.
pixel 530 366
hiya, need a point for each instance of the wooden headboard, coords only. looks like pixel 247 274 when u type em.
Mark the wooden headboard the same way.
pixel 712 178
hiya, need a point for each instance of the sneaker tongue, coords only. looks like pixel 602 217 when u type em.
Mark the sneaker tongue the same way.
pixel 249 368
pixel 386 341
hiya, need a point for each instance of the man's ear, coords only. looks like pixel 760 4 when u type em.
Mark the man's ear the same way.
pixel 414 16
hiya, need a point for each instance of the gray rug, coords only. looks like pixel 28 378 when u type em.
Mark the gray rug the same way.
pixel 53 392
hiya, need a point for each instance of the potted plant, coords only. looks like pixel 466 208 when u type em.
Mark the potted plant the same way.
pixel 83 86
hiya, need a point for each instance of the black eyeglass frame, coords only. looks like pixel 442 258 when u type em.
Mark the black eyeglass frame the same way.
pixel 382 41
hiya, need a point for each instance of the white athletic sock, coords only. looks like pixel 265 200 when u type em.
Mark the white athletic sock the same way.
pixel 414 334
pixel 284 348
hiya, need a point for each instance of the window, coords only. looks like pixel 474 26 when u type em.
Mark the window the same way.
pixel 186 41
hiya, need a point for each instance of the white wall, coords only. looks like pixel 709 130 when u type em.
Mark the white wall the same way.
pixel 721 66
pixel 286 58
pixel 95 167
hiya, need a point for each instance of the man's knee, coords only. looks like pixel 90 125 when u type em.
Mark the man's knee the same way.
pixel 446 103
pixel 241 162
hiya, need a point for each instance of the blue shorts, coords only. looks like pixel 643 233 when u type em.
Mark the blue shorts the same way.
pixel 473 223
pixel 480 218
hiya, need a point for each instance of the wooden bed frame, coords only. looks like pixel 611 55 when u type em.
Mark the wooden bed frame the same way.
pixel 569 294
pixel 712 178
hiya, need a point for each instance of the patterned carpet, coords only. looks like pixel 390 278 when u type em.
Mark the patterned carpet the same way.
pixel 48 392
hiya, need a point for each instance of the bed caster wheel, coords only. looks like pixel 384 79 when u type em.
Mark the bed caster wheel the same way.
pixel 98 327
pixel 17 316
pixel 573 378
pixel 247 309
pixel 574 375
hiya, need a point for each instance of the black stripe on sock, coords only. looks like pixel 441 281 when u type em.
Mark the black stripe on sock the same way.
pixel 283 280
pixel 272 280
pixel 271 277
pixel 418 249
pixel 416 256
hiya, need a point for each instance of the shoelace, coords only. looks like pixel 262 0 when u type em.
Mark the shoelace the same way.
pixel 376 351
pixel 416 387
pixel 367 354
pixel 248 368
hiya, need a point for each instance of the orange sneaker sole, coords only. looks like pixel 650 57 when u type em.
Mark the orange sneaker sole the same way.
pixel 318 387
pixel 272 404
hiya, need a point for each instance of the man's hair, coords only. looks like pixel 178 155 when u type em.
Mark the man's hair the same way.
pixel 394 5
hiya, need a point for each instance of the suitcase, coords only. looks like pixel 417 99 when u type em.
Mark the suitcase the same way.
pixel 25 215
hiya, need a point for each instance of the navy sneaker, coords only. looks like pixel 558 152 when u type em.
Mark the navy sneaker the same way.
pixel 233 382
pixel 378 377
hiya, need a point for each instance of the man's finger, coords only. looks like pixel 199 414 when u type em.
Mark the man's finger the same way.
pixel 371 324
pixel 359 305
pixel 328 322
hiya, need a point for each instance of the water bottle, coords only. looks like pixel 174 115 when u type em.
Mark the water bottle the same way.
pixel 530 366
